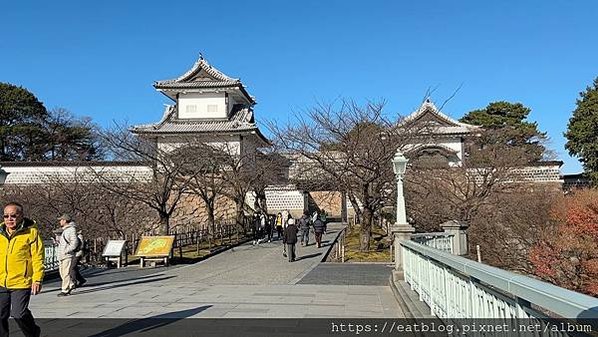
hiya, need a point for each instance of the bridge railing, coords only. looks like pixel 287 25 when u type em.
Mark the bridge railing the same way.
pixel 440 241
pixel 458 288
pixel 51 256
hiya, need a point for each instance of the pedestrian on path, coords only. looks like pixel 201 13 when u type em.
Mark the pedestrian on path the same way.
pixel 304 223
pixel 21 268
pixel 67 247
pixel 319 228
pixel 269 226
pixel 278 226
pixel 290 239
pixel 256 228
pixel 285 217
pixel 79 255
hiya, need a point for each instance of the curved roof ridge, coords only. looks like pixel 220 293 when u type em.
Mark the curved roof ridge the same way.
pixel 428 105
pixel 200 64
pixel 168 111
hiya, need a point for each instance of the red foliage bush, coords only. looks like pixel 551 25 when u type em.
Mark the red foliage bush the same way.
pixel 568 255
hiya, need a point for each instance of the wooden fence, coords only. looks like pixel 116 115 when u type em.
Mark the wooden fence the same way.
pixel 223 234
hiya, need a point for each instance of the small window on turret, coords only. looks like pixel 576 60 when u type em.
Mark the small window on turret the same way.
pixel 212 108
pixel 191 108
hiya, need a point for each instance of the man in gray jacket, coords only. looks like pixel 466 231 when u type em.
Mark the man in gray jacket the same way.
pixel 304 224
pixel 67 247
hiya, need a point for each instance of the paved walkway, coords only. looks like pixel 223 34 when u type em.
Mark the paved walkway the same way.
pixel 245 282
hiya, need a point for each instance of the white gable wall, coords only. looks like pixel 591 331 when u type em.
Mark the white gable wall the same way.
pixel 233 146
pixel 202 106
pixel 455 144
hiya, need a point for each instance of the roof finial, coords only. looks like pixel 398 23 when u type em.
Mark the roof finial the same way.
pixel 428 100
pixel 200 56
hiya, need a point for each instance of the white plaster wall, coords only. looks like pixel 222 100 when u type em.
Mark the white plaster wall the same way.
pixel 452 143
pixel 201 102
pixel 233 146
pixel 280 200
pixel 70 174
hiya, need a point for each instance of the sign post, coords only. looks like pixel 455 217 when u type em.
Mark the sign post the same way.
pixel 154 248
pixel 113 251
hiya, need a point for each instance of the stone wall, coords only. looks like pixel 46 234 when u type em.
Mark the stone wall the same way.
pixel 330 201
pixel 191 213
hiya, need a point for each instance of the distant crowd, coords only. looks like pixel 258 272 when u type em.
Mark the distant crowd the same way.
pixel 289 230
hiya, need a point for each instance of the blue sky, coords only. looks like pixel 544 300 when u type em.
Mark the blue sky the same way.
pixel 100 59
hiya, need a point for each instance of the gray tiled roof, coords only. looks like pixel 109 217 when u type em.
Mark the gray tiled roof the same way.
pixel 453 127
pixel 241 120
pixel 203 76
pixel 187 127
pixel 197 84
pixel 452 130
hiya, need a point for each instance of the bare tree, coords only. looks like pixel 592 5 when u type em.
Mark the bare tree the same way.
pixel 506 214
pixel 437 192
pixel 98 212
pixel 163 191
pixel 348 148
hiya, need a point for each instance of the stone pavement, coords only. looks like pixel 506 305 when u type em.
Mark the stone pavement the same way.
pixel 245 282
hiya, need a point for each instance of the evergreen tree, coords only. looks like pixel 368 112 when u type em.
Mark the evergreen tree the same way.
pixel 21 116
pixel 29 132
pixel 507 123
pixel 582 131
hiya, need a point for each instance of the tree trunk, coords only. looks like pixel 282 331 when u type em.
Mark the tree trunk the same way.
pixel 239 216
pixel 366 230
pixel 164 223
pixel 211 222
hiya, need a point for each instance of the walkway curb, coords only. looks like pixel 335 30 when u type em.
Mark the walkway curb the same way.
pixel 408 299
pixel 323 260
pixel 333 243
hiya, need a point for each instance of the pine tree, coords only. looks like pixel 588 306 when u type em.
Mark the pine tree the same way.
pixel 582 131
pixel 507 124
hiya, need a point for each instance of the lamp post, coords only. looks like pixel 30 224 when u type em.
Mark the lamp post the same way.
pixel 401 229
pixel 399 165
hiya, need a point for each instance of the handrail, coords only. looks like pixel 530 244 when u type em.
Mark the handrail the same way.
pixel 432 234
pixel 439 240
pixel 563 302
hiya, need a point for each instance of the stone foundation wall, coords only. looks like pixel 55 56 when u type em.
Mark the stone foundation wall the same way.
pixel 191 213
pixel 330 201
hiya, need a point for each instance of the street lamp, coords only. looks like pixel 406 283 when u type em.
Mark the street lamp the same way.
pixel 399 165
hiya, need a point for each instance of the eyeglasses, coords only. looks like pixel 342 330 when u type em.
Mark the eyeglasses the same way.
pixel 10 216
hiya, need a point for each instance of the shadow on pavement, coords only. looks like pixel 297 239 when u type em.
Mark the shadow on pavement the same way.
pixel 122 285
pixel 150 323
pixel 91 284
pixel 307 256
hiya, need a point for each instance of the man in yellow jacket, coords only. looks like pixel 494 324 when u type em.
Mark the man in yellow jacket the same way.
pixel 21 269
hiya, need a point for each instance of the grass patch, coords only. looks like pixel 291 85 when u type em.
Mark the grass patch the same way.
pixel 190 253
pixel 379 246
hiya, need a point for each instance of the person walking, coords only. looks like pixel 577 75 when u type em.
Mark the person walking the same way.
pixel 324 216
pixel 304 223
pixel 319 228
pixel 285 217
pixel 67 246
pixel 269 225
pixel 278 226
pixel 289 239
pixel 262 229
pixel 21 268
pixel 256 229
pixel 79 255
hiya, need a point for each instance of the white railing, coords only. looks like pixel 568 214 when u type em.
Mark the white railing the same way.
pixel 458 288
pixel 440 241
pixel 51 256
